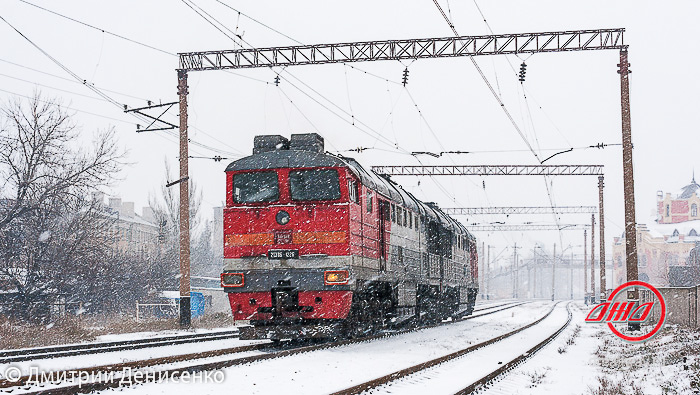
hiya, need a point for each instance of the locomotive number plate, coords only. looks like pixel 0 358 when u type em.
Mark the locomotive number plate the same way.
pixel 283 254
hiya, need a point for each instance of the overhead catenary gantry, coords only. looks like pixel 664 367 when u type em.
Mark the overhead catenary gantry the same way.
pixel 517 170
pixel 409 49
pixel 520 210
pixel 525 227
pixel 491 170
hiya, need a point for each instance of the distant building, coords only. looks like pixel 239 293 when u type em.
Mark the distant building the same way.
pixel 217 237
pixel 681 209
pixel 664 245
pixel 132 233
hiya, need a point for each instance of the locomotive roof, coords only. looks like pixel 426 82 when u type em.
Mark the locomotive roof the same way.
pixel 285 158
pixel 302 158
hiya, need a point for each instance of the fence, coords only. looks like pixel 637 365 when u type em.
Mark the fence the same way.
pixel 681 305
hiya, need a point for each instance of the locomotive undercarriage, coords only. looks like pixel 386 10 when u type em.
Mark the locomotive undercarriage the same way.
pixel 374 306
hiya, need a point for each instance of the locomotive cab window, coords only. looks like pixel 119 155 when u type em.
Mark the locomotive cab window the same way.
pixel 255 187
pixel 314 184
pixel 369 201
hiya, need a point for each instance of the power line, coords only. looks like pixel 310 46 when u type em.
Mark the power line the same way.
pixel 488 84
pixel 202 15
pixel 99 29
pixel 67 79
pixel 300 43
pixel 94 88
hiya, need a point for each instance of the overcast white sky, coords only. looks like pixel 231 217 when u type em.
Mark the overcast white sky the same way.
pixel 573 99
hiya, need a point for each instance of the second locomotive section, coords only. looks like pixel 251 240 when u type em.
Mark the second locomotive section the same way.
pixel 316 246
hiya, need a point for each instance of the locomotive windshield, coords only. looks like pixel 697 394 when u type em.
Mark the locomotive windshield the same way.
pixel 256 187
pixel 314 184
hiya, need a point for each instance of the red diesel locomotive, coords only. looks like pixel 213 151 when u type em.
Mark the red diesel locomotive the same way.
pixel 317 246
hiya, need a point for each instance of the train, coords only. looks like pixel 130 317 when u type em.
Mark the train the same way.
pixel 317 246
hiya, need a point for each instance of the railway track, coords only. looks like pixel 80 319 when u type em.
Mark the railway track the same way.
pixel 392 377
pixel 270 353
pixel 31 354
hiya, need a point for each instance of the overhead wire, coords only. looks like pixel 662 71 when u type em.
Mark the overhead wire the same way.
pixel 210 19
pixel 299 42
pixel 547 181
pixel 68 79
pixel 100 91
pixel 488 84
pixel 495 95
pixel 351 113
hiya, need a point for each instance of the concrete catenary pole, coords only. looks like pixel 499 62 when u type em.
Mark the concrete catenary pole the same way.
pixel 488 262
pixel 601 218
pixel 534 271
pixel 185 313
pixel 628 178
pixel 592 258
pixel 554 264
pixel 481 278
pixel 571 274
pixel 585 267
pixel 515 270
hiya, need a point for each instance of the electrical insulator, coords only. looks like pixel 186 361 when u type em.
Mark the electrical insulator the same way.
pixel 277 80
pixel 405 76
pixel 521 74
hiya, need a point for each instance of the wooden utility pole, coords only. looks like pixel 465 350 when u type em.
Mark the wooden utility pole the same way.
pixel 585 267
pixel 185 312
pixel 628 178
pixel 554 264
pixel 593 258
pixel 601 218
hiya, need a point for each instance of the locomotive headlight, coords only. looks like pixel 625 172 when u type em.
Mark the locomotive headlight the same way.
pixel 232 280
pixel 331 277
pixel 282 217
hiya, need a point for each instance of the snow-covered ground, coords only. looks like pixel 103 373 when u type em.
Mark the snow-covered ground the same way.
pixel 585 359
pixel 595 362
pixel 101 359
pixel 148 335
pixel 334 369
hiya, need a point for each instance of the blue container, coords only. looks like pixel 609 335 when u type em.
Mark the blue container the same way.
pixel 197 304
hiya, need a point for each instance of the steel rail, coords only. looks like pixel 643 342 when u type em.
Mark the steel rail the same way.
pixel 516 361
pixel 30 354
pixel 428 364
pixel 146 363
pixel 175 372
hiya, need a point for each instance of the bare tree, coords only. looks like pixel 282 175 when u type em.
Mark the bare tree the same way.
pixel 166 210
pixel 51 234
